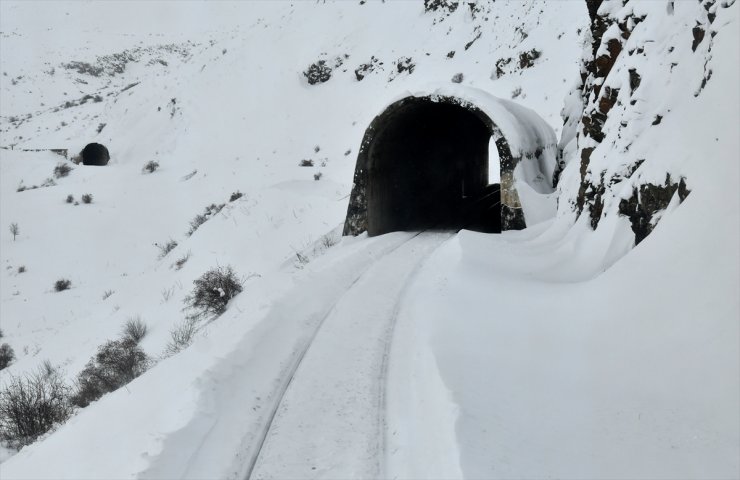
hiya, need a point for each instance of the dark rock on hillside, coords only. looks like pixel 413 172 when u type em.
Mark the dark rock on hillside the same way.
pixel 649 200
pixel 318 72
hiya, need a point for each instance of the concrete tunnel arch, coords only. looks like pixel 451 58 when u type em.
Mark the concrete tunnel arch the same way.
pixel 423 163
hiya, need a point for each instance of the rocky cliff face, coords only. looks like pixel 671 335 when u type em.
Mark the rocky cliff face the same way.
pixel 640 57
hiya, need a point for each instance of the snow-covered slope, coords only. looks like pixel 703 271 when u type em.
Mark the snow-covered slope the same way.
pixel 534 353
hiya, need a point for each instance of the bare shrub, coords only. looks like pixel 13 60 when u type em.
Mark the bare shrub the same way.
pixel 181 337
pixel 70 199
pixel 107 294
pixel 180 262
pixel 62 170
pixel 235 196
pixel 30 406
pixel 329 240
pixel 212 292
pixel 167 294
pixel 306 162
pixel 150 167
pixel 7 355
pixel 62 284
pixel 22 269
pixel 134 329
pixel 87 198
pixel 14 230
pixel 317 176
pixel 116 363
pixel 166 247
pixel 200 219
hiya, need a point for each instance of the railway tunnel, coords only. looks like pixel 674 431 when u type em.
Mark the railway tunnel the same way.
pixel 424 164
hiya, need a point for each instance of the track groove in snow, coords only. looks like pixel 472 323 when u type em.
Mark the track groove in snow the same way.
pixel 329 422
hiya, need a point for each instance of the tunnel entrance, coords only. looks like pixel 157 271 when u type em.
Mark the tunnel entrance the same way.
pixel 424 164
pixel 428 168
pixel 95 154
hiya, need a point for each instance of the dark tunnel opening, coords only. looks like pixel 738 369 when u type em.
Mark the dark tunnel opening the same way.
pixel 427 168
pixel 95 154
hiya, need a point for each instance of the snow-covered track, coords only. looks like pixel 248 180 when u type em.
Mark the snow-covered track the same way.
pixel 328 421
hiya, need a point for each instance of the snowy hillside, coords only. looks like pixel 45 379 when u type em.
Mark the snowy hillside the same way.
pixel 601 343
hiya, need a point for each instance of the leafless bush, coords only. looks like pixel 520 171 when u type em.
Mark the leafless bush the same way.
pixel 87 198
pixel 181 337
pixel 166 247
pixel 70 199
pixel 30 406
pixel 22 269
pixel 235 196
pixel 167 294
pixel 107 294
pixel 7 355
pixel 329 240
pixel 200 219
pixel 150 167
pixel 134 329
pixel 212 292
pixel 14 230
pixel 62 284
pixel 181 261
pixel 62 170
pixel 116 363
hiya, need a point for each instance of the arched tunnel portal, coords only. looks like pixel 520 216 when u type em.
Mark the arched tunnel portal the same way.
pixel 423 164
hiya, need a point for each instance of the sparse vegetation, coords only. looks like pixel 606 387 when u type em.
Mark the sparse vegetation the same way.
pixel 150 167
pixel 22 269
pixel 87 198
pixel 167 294
pixel 62 284
pixel 306 163
pixel 116 363
pixel 181 337
pixel 200 219
pixel 181 261
pixel 165 248
pixel 329 240
pixel 14 230
pixel 7 355
pixel 30 406
pixel 235 196
pixel 70 199
pixel 317 176
pixel 62 170
pixel 134 329
pixel 107 294
pixel 212 292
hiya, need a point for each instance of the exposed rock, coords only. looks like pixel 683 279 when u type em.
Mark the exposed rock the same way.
pixel 318 72
pixel 648 200
pixel 405 64
pixel 698 33
pixel 447 6
pixel 364 69
pixel 526 59
pixel 635 80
